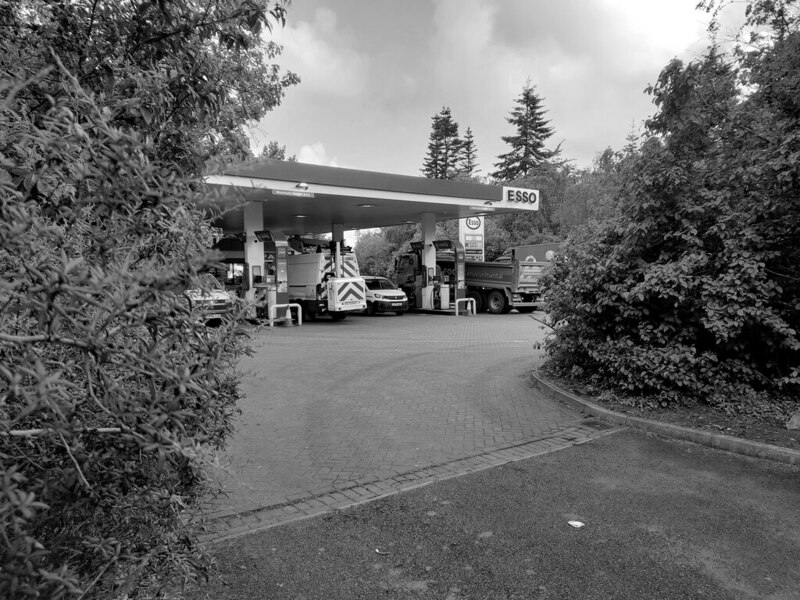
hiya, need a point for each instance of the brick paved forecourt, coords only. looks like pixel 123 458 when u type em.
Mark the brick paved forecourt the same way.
pixel 339 413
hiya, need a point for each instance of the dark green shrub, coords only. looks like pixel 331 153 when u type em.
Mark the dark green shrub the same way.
pixel 112 394
pixel 693 293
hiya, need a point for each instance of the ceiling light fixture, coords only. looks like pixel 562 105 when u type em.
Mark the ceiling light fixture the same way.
pixel 300 216
pixel 366 205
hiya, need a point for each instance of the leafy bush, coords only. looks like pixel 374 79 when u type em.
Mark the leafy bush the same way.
pixel 694 291
pixel 111 391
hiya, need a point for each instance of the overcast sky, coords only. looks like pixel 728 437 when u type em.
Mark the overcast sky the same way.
pixel 374 72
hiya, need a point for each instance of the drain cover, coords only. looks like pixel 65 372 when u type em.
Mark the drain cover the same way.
pixel 595 424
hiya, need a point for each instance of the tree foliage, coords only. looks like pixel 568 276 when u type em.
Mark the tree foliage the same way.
pixel 374 254
pixel 693 291
pixel 531 165
pixel 528 145
pixel 468 165
pixel 444 147
pixel 112 391
pixel 377 250
pixel 591 195
pixel 275 151
pixel 188 74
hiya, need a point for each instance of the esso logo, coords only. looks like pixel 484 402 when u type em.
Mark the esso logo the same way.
pixel 522 196
pixel 473 222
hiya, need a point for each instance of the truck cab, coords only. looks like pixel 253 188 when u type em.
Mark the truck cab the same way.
pixel 446 278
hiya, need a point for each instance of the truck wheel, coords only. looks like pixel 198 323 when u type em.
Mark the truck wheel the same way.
pixel 338 315
pixel 496 302
pixel 370 309
pixel 479 304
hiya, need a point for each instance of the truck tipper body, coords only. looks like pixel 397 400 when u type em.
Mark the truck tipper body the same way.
pixel 542 253
pixel 500 287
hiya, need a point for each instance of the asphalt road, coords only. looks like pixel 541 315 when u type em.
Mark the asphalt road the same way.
pixel 663 519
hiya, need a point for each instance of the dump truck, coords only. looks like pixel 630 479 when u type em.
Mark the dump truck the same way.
pixel 511 280
pixel 496 287
pixel 499 287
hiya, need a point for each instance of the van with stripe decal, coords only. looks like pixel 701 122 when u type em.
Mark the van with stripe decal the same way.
pixel 314 285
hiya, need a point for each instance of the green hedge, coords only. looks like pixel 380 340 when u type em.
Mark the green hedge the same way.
pixel 693 292
pixel 112 393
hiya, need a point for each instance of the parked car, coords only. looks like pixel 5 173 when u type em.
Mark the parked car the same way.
pixel 210 301
pixel 383 296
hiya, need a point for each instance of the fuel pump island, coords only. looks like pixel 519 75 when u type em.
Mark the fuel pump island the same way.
pixel 316 276
pixel 438 287
pixel 265 206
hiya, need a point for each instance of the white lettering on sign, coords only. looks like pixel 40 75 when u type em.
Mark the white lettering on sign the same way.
pixel 529 198
pixel 293 193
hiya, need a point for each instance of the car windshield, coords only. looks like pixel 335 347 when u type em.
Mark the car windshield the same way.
pixel 208 281
pixel 380 284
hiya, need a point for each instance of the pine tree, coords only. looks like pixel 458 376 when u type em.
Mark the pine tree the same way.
pixel 444 147
pixel 468 163
pixel 528 145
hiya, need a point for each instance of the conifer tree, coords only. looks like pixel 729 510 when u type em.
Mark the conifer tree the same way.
pixel 528 145
pixel 444 147
pixel 468 163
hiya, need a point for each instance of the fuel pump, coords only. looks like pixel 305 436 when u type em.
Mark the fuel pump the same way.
pixel 450 259
pixel 433 287
pixel 274 284
pixel 435 279
pixel 420 276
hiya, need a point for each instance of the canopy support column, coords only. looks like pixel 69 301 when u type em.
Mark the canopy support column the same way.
pixel 253 248
pixel 337 235
pixel 428 257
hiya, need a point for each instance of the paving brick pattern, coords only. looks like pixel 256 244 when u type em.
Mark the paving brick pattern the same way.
pixel 336 414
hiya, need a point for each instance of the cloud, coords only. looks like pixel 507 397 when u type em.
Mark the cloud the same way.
pixel 589 61
pixel 374 73
pixel 315 154
pixel 322 53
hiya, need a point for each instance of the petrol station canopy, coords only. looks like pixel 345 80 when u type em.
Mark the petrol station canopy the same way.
pixel 301 198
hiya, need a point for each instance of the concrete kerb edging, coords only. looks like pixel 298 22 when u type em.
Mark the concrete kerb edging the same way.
pixel 494 458
pixel 713 440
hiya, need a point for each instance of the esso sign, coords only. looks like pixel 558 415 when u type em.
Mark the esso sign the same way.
pixel 526 198
pixel 474 222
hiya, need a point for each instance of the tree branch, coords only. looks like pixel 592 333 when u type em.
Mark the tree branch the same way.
pixel 33 339
pixel 32 433
pixel 75 462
